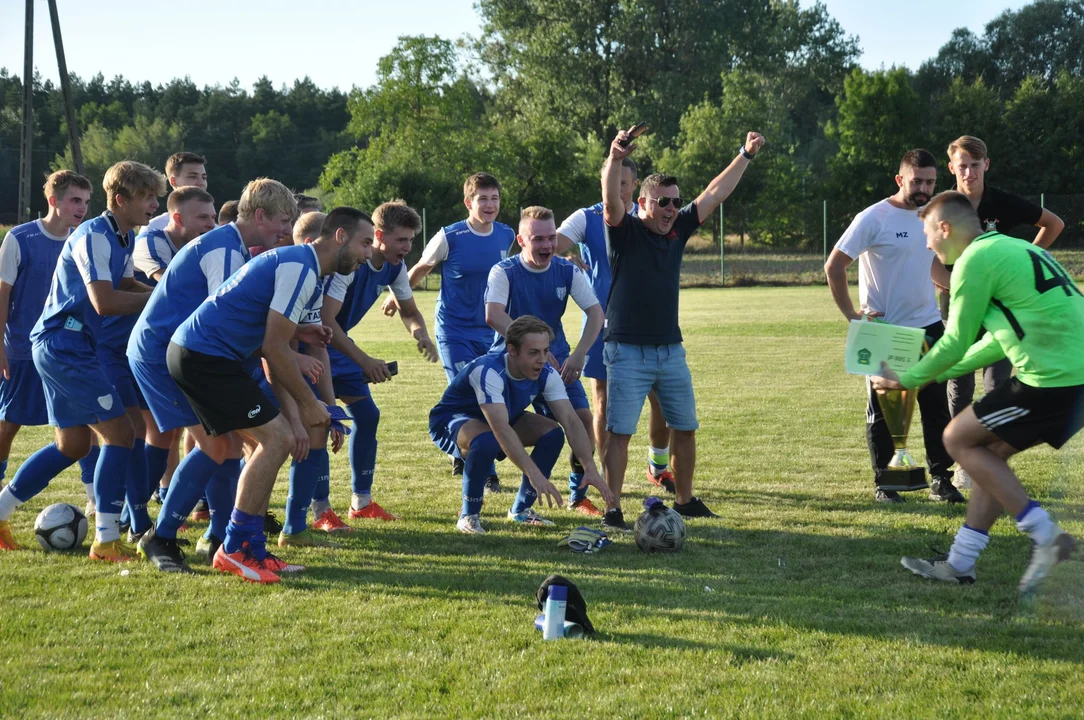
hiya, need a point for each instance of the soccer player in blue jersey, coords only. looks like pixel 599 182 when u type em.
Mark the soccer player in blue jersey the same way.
pixel 537 283
pixel 257 310
pixel 465 252
pixel 482 418
pixel 346 300
pixel 265 213
pixel 191 212
pixel 586 229
pixel 94 278
pixel 27 261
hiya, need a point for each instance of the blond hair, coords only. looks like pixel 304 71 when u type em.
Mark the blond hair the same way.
pixel 969 144
pixel 130 179
pixel 57 184
pixel 535 212
pixel 268 195
pixel 396 214
pixel 308 226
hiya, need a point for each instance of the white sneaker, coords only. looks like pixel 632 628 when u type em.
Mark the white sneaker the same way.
pixel 961 479
pixel 938 568
pixel 470 525
pixel 530 517
pixel 1045 557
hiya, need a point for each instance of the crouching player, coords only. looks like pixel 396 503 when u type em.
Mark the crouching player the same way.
pixel 1034 315
pixel 482 418
pixel 258 309
pixel 539 284
pixel 94 277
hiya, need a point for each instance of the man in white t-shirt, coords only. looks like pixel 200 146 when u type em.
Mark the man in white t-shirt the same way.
pixel 896 278
pixel 183 169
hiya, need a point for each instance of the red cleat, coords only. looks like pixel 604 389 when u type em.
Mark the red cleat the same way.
pixel 372 511
pixel 665 480
pixel 329 522
pixel 586 507
pixel 244 565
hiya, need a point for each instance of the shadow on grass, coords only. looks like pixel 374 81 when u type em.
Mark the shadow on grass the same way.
pixel 805 581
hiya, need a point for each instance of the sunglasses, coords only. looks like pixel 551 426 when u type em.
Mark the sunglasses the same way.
pixel 665 201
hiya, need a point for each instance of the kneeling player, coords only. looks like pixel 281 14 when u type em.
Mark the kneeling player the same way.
pixel 258 309
pixel 1034 315
pixel 482 418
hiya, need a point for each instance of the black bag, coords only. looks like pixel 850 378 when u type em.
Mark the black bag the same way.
pixel 576 609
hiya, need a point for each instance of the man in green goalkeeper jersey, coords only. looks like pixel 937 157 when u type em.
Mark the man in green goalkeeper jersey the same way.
pixel 1034 316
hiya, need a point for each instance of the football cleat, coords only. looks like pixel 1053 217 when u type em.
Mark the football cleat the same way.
pixel 457 467
pixel 112 551
pixel 201 513
pixel 470 525
pixel 1044 557
pixel 277 564
pixel 694 508
pixel 164 553
pixel 493 485
pixel 372 511
pixel 329 522
pixel 206 547
pixel 938 568
pixel 271 524
pixel 7 539
pixel 529 517
pixel 586 507
pixel 665 480
pixel 614 519
pixel 244 565
pixel 305 538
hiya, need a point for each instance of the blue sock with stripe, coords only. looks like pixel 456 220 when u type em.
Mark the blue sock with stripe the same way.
pixel 363 445
pixel 138 488
pixel 221 492
pixel 545 454
pixel 189 482
pixel 156 458
pixel 110 478
pixel 240 530
pixel 484 450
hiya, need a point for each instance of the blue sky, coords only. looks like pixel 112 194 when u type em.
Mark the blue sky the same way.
pixel 337 42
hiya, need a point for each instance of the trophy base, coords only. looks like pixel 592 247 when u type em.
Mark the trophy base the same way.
pixel 902 479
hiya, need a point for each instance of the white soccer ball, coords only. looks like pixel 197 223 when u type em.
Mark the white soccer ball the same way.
pixel 660 530
pixel 60 527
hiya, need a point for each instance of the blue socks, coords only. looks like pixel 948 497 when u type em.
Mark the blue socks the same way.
pixel 221 492
pixel 34 475
pixel 88 464
pixel 138 489
pixel 545 454
pixel 244 528
pixel 574 479
pixel 363 445
pixel 303 479
pixel 156 458
pixel 110 478
pixel 3 470
pixel 189 482
pixel 484 451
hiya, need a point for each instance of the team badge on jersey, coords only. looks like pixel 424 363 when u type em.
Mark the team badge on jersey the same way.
pixel 562 292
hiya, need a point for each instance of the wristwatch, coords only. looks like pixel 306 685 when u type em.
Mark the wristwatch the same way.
pixel 745 153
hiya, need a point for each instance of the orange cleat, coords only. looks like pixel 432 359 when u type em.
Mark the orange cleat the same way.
pixel 7 540
pixel 665 480
pixel 112 551
pixel 372 511
pixel 277 564
pixel 244 565
pixel 329 522
pixel 586 507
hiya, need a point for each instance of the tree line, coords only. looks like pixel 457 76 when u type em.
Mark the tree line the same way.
pixel 536 99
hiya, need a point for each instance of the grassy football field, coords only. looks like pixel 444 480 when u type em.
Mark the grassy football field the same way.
pixel 793 604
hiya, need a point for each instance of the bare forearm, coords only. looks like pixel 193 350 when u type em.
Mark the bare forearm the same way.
pixel 414 323
pixel 612 207
pixel 841 292
pixel 499 320
pixel 578 439
pixel 120 302
pixel 323 386
pixel 591 329
pixel 284 371
pixel 418 273
pixel 721 187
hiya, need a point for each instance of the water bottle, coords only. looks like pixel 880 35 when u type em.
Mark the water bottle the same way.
pixel 556 603
pixel 571 629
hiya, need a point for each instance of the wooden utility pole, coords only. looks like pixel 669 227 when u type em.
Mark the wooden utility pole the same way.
pixel 25 152
pixel 66 87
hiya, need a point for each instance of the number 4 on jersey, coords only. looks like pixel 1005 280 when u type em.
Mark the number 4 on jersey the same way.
pixel 1044 264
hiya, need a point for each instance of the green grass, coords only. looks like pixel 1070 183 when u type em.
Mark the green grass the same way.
pixel 809 613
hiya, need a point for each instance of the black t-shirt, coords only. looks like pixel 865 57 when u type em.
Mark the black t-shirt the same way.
pixel 1004 211
pixel 642 308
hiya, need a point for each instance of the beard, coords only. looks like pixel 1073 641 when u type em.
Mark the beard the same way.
pixel 344 264
pixel 918 199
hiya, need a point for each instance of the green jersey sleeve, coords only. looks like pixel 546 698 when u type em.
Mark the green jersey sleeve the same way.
pixel 1031 308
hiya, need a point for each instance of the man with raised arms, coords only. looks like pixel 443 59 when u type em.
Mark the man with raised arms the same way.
pixel 483 417
pixel 1034 315
pixel 94 278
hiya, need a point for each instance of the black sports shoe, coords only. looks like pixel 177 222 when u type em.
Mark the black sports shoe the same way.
pixel 574 463
pixel 125 527
pixel 614 519
pixel 164 553
pixel 457 467
pixel 942 490
pixel 156 496
pixel 493 485
pixel 694 508
pixel 887 496
pixel 271 524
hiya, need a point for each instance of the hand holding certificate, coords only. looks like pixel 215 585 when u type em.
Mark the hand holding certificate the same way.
pixel 871 343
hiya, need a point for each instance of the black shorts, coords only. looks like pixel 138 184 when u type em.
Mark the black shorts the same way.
pixel 1024 416
pixel 222 394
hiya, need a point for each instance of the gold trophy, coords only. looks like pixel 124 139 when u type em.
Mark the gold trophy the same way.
pixel 902 473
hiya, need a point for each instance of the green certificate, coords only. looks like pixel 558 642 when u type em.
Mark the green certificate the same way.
pixel 870 342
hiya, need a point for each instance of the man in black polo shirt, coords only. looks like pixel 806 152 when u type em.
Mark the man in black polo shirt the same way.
pixel 643 348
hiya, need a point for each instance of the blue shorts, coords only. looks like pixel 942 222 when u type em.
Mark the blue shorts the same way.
pixel 120 374
pixel 163 398
pixel 77 390
pixel 444 429
pixel 22 398
pixel 576 396
pixel 635 370
pixel 456 352
pixel 349 381
pixel 594 367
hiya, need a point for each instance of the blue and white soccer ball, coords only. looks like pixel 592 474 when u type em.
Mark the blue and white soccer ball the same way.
pixel 60 527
